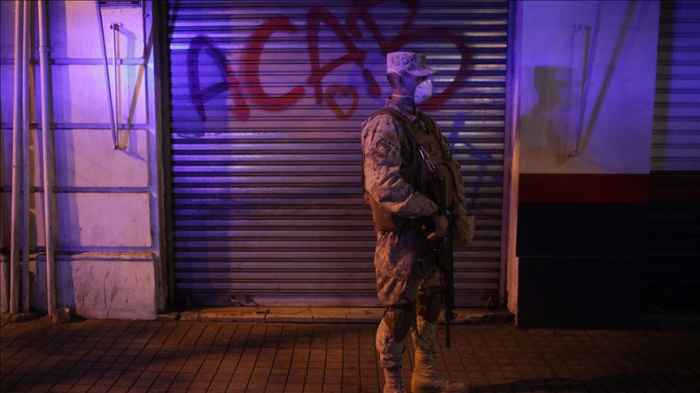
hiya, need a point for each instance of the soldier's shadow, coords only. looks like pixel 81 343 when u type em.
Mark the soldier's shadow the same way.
pixel 624 382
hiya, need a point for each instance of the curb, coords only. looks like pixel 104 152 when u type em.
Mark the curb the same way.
pixel 6 318
pixel 465 316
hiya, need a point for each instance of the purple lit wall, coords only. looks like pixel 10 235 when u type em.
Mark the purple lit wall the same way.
pixel 617 58
pixel 106 200
pixel 588 73
pixel 262 150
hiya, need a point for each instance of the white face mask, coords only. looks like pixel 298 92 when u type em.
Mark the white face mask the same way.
pixel 424 90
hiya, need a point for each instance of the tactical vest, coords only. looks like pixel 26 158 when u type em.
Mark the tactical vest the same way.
pixel 413 170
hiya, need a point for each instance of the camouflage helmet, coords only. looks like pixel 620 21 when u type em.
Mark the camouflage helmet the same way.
pixel 412 63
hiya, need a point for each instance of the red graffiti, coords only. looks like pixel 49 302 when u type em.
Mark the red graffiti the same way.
pixel 345 33
pixel 314 18
pixel 345 91
pixel 360 11
pixel 251 67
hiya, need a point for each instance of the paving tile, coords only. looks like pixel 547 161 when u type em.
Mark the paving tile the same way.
pixel 201 354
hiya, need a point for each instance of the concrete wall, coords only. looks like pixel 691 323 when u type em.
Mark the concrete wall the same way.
pixel 108 258
pixel 619 105
pixel 581 218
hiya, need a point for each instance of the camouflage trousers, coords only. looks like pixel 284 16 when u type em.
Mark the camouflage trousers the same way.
pixel 404 264
pixel 405 269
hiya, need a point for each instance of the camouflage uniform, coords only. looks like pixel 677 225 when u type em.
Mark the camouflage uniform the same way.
pixel 402 196
pixel 397 252
pixel 405 266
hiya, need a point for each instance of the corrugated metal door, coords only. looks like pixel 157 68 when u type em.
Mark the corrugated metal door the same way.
pixel 267 102
pixel 676 134
pixel 672 275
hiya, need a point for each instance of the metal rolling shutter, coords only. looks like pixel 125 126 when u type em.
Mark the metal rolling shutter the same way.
pixel 676 134
pixel 267 104
pixel 672 275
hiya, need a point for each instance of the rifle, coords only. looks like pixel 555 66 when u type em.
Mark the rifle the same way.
pixel 442 248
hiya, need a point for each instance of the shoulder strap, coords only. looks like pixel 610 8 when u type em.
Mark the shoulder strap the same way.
pixel 436 133
pixel 409 134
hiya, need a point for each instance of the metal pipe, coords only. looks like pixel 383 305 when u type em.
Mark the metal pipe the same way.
pixel 47 153
pixel 115 136
pixel 573 152
pixel 112 120
pixel 16 141
pixel 26 159
pixel 580 116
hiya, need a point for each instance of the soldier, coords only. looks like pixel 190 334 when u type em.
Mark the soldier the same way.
pixel 403 200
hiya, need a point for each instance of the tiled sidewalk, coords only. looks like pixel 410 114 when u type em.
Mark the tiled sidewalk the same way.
pixel 120 356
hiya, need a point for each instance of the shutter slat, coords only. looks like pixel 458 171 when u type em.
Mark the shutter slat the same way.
pixel 672 272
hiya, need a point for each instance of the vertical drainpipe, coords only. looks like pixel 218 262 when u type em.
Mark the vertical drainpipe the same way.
pixel 115 134
pixel 26 159
pixel 16 140
pixel 47 153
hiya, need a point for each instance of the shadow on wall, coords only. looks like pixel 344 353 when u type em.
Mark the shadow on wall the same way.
pixel 586 95
pixel 551 124
pixel 65 296
pixel 67 208
pixel 625 382
pixel 134 78
pixel 68 211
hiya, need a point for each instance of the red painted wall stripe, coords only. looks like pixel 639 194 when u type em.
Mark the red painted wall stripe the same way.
pixel 583 188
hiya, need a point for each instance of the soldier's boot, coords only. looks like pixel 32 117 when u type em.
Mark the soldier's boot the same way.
pixel 391 344
pixel 393 381
pixel 426 378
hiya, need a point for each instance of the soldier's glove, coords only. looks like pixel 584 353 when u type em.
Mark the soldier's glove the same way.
pixel 438 226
